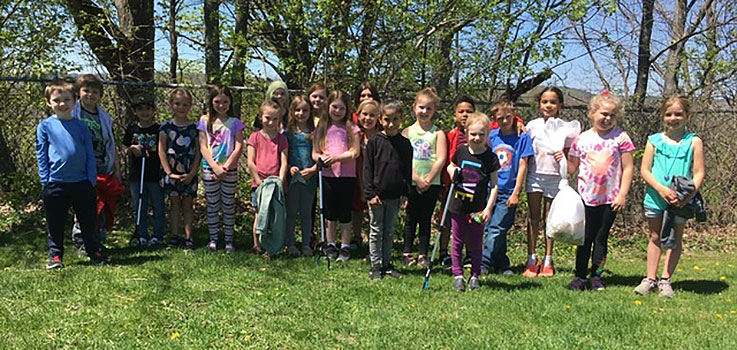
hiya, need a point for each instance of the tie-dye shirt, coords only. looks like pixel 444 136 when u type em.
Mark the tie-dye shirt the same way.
pixel 600 169
pixel 222 140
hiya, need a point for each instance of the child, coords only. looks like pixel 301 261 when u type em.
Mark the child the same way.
pixel 267 156
pixel 543 177
pixel 336 144
pixel 302 171
pixel 99 122
pixel 428 158
pixel 473 168
pixel 221 145
pixel 142 139
pixel 368 115
pixel 317 95
pixel 278 92
pixel 670 153
pixel 180 158
pixel 67 170
pixel 603 157
pixel 364 92
pixel 513 152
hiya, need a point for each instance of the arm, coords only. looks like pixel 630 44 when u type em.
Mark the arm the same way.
pixel 486 214
pixel 195 166
pixel 624 187
pixel 698 168
pixel 369 189
pixel 207 154
pixel 646 172
pixel 42 153
pixel 90 154
pixel 237 151
pixel 284 165
pixel 162 157
pixel 573 163
pixel 521 176
pixel 251 154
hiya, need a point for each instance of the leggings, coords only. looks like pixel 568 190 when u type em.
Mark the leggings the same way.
pixel 420 208
pixel 599 221
pixel 220 194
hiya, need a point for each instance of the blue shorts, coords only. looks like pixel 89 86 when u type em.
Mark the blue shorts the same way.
pixel 656 213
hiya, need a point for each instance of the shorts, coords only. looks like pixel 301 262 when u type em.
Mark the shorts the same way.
pixel 338 193
pixel 547 184
pixel 657 213
pixel 179 188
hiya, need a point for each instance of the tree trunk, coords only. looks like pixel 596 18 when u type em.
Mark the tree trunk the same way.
pixel 212 41
pixel 673 60
pixel 442 70
pixel 173 37
pixel 239 56
pixel 643 52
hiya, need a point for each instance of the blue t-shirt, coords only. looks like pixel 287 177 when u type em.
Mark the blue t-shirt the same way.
pixel 509 149
pixel 64 151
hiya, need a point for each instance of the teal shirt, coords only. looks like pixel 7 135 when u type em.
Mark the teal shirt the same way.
pixel 668 161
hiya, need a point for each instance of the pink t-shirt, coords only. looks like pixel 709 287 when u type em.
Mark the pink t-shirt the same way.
pixel 336 142
pixel 268 159
pixel 600 169
pixel 544 163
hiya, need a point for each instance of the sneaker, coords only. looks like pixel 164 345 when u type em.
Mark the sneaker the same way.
pixel 175 242
pixel 154 243
pixel 392 272
pixel 547 271
pixel 293 251
pixel 473 283
pixel 212 246
pixel 446 260
pixel 98 258
pixel 229 248
pixel 54 263
pixel 665 288
pixel 375 273
pixel 532 270
pixel 459 283
pixel 577 284
pixel 81 250
pixel 645 286
pixel 484 270
pixel 595 283
pixel 188 244
pixel 408 260
pixel 142 242
pixel 306 251
pixel 508 272
pixel 423 261
pixel 345 254
pixel 331 252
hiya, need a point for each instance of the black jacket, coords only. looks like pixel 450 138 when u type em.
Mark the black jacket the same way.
pixel 387 167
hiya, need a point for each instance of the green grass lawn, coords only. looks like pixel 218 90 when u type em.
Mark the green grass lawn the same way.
pixel 195 300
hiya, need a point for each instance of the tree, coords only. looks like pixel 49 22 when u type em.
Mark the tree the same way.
pixel 212 41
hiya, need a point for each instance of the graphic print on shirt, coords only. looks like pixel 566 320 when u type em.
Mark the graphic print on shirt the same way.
pixel 145 140
pixel 505 153
pixel 421 150
pixel 470 172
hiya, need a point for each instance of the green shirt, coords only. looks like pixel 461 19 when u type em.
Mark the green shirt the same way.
pixel 669 160
pixel 424 150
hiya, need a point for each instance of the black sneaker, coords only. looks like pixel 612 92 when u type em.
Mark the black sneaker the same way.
pixel 459 283
pixel 331 252
pixel 446 261
pixel 375 273
pixel 81 250
pixel 345 254
pixel 392 272
pixel 98 258
pixel 485 270
pixel 175 242
pixel 467 262
pixel 188 244
pixel 54 263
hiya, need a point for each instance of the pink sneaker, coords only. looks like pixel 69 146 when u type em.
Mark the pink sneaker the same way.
pixel 547 271
pixel 532 270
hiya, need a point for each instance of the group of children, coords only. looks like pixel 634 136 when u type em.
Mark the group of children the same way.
pixel 364 161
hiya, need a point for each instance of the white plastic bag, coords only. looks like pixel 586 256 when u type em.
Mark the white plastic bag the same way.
pixel 554 135
pixel 566 220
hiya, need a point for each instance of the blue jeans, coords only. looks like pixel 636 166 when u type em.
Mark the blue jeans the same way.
pixel 495 246
pixel 153 192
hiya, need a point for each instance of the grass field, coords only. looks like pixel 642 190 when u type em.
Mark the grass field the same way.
pixel 195 300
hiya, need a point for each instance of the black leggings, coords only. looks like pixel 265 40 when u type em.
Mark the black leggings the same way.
pixel 420 208
pixel 599 221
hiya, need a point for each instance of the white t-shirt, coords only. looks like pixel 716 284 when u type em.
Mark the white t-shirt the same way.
pixel 544 163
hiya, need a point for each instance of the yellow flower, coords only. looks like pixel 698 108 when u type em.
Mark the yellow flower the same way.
pixel 696 267
pixel 7 268
pixel 730 265
pixel 729 300
pixel 174 335
pixel 716 264
pixel 568 306
pixel 721 316
pixel 680 269
pixel 637 302
pixel 733 312
pixel 723 278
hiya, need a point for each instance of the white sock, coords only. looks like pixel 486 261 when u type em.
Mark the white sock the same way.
pixel 531 259
pixel 346 246
pixel 548 260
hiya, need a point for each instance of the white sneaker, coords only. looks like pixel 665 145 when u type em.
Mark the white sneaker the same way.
pixel 229 248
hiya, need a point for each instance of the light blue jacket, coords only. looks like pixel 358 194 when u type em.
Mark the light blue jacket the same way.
pixel 106 122
pixel 272 214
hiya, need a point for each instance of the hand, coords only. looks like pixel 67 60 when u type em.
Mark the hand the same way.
pixel 173 178
pixel 137 150
pixel 521 128
pixel 668 195
pixel 558 156
pixel 403 202
pixel 422 185
pixel 186 179
pixel 293 171
pixel 618 204
pixel 457 176
pixel 513 200
pixel 327 160
pixel 219 171
pixel 485 215
pixel 307 173
pixel 375 202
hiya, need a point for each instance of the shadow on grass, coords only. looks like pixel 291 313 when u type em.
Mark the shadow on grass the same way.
pixel 507 287
pixel 701 286
pixel 622 280
pixel 134 259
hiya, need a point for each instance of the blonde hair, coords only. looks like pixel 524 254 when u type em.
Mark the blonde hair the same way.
pixel 363 105
pixel 325 122
pixel 430 93
pixel 58 86
pixel 680 99
pixel 477 118
pixel 180 91
pixel 602 98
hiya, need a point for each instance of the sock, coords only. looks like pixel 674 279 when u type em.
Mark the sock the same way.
pixel 531 259
pixel 345 246
pixel 548 260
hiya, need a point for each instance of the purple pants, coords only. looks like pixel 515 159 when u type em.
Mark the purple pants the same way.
pixel 472 235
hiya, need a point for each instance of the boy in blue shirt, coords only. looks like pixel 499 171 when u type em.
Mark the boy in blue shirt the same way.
pixel 66 168
pixel 513 151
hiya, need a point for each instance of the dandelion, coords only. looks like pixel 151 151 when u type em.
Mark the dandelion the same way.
pixel 729 300
pixel 637 302
pixel 723 278
pixel 568 306
pixel 730 265
pixel 696 267
pixel 716 264
pixel 733 312
pixel 7 268
pixel 680 269
pixel 174 335
pixel 721 316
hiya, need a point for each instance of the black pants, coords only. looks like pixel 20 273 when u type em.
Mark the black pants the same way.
pixel 338 200
pixel 599 221
pixel 420 208
pixel 57 198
